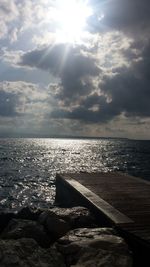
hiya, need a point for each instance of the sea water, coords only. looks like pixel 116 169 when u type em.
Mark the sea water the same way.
pixel 28 166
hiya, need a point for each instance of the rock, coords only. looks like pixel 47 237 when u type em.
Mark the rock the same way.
pixel 28 214
pixel 76 217
pixel 55 226
pixel 99 247
pixel 4 219
pixel 27 253
pixel 18 228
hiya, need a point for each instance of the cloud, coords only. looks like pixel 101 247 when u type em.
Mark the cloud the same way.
pixel 8 13
pixel 25 109
pixel 121 15
pixel 74 68
pixel 130 90
pixel 94 109
pixel 10 56
pixel 106 78
pixel 21 98
pixel 126 92
pixel 22 17
pixel 94 90
pixel 8 101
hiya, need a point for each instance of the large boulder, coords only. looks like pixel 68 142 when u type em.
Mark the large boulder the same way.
pixel 5 219
pixel 54 225
pixel 18 228
pixel 27 253
pixel 99 247
pixel 76 217
pixel 28 213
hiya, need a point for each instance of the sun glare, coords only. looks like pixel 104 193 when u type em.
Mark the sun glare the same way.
pixel 72 17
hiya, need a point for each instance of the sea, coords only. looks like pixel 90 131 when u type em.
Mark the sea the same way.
pixel 28 167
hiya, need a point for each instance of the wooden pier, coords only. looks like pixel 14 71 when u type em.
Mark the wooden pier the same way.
pixel 117 199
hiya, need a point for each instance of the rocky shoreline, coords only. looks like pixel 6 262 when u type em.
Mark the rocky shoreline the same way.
pixel 62 237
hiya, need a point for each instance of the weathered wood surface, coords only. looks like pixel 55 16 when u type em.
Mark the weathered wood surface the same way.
pixel 124 199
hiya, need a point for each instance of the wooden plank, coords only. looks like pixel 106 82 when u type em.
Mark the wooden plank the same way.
pixel 124 199
pixel 109 211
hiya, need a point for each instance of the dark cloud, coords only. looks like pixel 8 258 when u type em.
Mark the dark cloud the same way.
pixel 68 63
pixel 127 13
pixel 126 93
pixel 60 57
pixel 92 109
pixel 130 90
pixel 48 58
pixel 123 15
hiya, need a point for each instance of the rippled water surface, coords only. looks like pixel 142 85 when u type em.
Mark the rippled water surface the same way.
pixel 28 166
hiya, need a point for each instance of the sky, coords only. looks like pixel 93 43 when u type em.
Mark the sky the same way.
pixel 75 68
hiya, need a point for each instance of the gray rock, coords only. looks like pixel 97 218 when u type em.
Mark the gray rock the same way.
pixel 98 247
pixel 76 217
pixel 18 228
pixel 27 253
pixel 28 213
pixel 4 219
pixel 55 226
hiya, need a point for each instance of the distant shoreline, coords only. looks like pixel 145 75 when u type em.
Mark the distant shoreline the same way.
pixel 73 137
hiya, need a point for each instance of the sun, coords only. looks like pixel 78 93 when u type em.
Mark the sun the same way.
pixel 72 18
